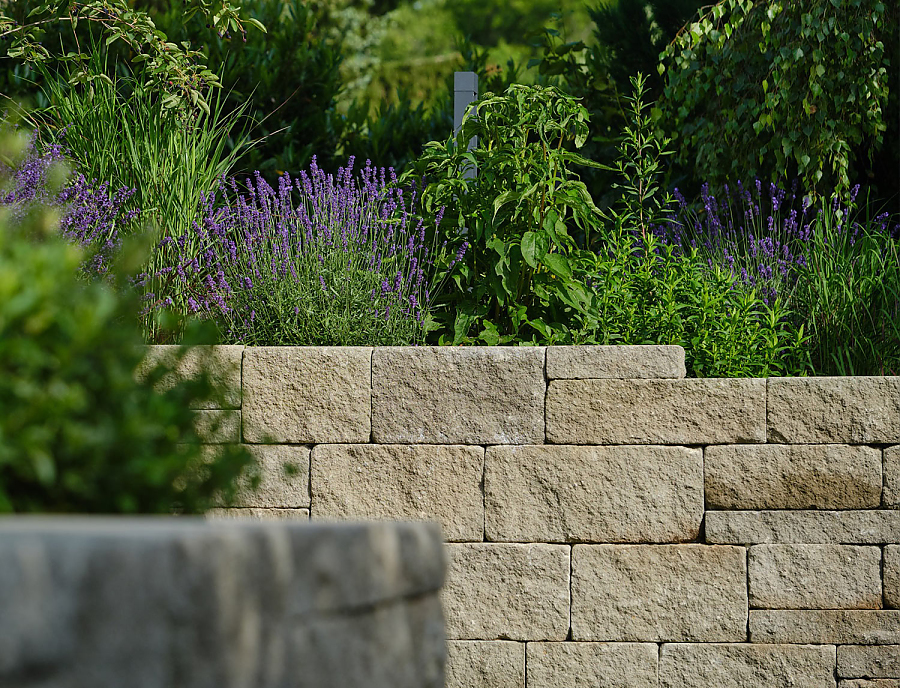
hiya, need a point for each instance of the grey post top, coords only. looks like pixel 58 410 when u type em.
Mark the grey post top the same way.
pixel 465 92
pixel 465 81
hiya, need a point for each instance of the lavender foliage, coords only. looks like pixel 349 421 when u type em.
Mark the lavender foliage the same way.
pixel 91 215
pixel 321 260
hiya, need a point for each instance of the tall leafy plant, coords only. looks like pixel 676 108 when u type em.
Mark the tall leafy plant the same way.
pixel 521 215
pixel 650 292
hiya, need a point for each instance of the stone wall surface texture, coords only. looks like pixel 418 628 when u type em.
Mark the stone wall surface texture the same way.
pixel 608 522
pixel 815 577
pixel 163 601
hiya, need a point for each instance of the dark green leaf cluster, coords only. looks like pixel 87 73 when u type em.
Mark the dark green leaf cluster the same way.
pixel 78 433
pixel 285 81
pixel 773 88
pixel 176 68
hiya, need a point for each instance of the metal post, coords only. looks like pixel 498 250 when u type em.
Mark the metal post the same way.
pixel 465 92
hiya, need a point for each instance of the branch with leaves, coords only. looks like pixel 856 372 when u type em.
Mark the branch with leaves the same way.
pixel 770 87
pixel 178 70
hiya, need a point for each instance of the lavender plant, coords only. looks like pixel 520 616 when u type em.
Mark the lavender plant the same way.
pixel 759 232
pixel 321 260
pixel 838 274
pixel 90 215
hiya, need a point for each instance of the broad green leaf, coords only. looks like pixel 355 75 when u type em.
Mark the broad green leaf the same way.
pixel 529 249
pixel 557 264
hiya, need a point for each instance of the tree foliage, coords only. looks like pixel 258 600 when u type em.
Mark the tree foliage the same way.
pixel 772 88
pixel 178 69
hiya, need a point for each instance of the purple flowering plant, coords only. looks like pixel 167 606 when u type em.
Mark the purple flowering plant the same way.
pixel 90 215
pixel 836 271
pixel 322 259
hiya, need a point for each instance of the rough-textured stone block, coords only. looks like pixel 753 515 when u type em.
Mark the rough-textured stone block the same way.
pixel 305 395
pixel 283 472
pixel 892 477
pixel 818 627
pixel 892 575
pixel 485 664
pixel 365 481
pixel 852 410
pixel 261 514
pixel 465 395
pixel 693 411
pixel 664 593
pixel 218 427
pixel 780 476
pixel 849 527
pixel 868 661
pixel 617 362
pixel 160 602
pixel 815 577
pixel 586 665
pixel 746 666
pixel 221 363
pixel 561 493
pixel 870 683
pixel 506 591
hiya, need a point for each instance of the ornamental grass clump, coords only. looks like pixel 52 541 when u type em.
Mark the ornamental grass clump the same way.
pixel 322 260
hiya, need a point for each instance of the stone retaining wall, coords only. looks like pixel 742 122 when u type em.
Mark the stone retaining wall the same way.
pixel 157 602
pixel 608 523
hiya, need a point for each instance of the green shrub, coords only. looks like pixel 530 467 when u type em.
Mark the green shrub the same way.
pixel 77 432
pixel 649 293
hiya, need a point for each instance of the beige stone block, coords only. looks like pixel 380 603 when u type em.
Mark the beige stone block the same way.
pixel 465 395
pixel 222 364
pixel 892 575
pixel 780 476
pixel 691 411
pixel 852 410
pixel 815 577
pixel 507 592
pixel 868 661
pixel 401 481
pixel 283 472
pixel 587 665
pixel 563 493
pixel 831 626
pixel 485 664
pixel 659 593
pixel 218 427
pixel 306 395
pixel 746 666
pixel 850 527
pixel 892 477
pixel 260 514
pixel 870 683
pixel 617 362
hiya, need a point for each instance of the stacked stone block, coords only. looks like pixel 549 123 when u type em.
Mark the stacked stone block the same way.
pixel 608 521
